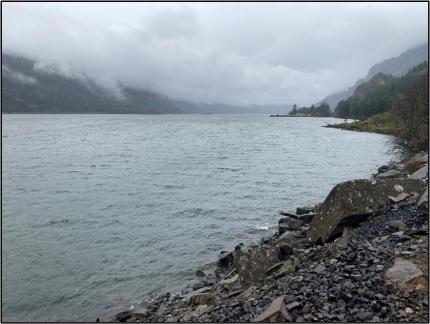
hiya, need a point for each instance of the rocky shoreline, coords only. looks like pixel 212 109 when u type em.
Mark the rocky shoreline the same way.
pixel 361 255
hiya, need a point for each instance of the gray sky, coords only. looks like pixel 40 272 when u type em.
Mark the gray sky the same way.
pixel 261 53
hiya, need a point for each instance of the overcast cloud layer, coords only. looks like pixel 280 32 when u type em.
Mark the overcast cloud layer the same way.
pixel 259 53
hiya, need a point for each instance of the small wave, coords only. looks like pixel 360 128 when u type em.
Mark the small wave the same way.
pixel 66 297
pixel 228 169
pixel 194 212
pixel 107 207
pixel 54 222
pixel 262 227
pixel 173 187
pixel 61 221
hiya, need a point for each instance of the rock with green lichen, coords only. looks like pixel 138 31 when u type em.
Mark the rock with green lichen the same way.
pixel 352 202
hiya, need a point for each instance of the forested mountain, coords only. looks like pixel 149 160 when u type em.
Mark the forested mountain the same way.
pixel 383 92
pixel 398 105
pixel 396 66
pixel 28 89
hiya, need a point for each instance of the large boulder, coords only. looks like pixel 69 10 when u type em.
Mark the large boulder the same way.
pixel 354 201
pixel 253 262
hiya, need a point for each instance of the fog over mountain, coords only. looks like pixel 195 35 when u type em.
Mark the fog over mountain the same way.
pixel 237 54
pixel 397 66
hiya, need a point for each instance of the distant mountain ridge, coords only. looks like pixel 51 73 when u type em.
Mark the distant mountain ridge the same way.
pixel 396 66
pixel 28 89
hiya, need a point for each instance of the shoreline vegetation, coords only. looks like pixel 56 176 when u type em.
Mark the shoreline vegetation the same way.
pixel 361 255
pixel 385 123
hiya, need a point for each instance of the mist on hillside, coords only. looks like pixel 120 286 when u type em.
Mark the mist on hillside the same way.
pixel 236 54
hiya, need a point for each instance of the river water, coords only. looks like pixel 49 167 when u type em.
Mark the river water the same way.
pixel 98 211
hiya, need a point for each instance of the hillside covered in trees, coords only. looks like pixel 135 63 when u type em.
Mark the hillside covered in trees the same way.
pixel 392 105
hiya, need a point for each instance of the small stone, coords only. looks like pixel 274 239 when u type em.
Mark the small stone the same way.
pixel 364 315
pixel 319 269
pixel 402 313
pixel 408 310
pixel 200 273
pixel 203 299
pixel 356 275
pixel 289 298
pixel 275 312
pixel 306 309
pixel 398 225
pixel 379 296
pixel 308 317
pixel 379 267
pixel 340 317
pixel 342 242
pixel 333 261
pixel 389 174
pixel 305 210
pixel 380 239
pixel 349 267
pixel 400 197
pixel 292 305
pixel 383 168
pixel 123 316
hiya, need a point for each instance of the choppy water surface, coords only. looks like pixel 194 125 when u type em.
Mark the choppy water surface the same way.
pixel 101 210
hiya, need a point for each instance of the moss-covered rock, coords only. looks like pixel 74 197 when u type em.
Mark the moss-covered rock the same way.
pixel 253 262
pixel 353 201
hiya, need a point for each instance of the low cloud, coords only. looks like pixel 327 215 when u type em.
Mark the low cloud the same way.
pixel 17 76
pixel 252 53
